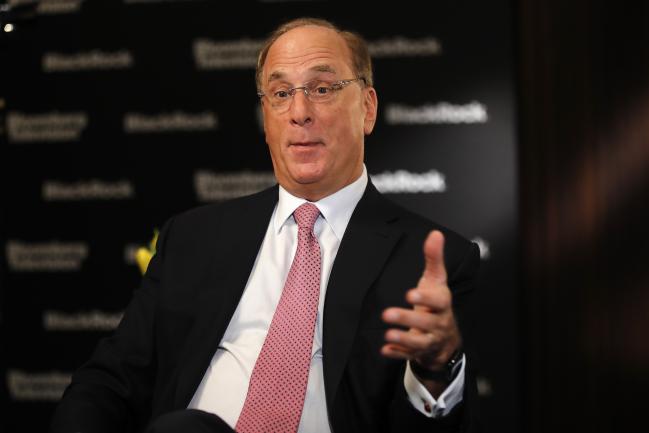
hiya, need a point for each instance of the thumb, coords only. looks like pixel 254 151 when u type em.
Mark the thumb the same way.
pixel 434 270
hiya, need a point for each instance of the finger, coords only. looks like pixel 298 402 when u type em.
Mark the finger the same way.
pixel 416 342
pixel 420 319
pixel 395 351
pixel 434 270
pixel 436 299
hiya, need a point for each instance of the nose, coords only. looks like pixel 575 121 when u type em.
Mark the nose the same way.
pixel 300 109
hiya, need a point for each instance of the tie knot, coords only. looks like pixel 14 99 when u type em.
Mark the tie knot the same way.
pixel 305 215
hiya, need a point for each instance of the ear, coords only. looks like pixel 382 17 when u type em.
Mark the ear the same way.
pixel 371 109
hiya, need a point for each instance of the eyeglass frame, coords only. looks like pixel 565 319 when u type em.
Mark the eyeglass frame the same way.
pixel 335 86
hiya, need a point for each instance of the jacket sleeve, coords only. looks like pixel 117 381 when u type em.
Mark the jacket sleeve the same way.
pixel 464 417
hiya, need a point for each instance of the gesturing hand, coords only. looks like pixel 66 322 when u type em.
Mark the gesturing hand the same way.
pixel 432 334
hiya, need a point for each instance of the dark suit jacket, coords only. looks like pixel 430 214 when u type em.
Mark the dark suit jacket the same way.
pixel 158 355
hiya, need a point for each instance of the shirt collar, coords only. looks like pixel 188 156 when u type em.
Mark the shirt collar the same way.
pixel 336 209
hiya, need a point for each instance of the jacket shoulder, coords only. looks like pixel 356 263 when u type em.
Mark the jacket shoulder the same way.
pixel 210 222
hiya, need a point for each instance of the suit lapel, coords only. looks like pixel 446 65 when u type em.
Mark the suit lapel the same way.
pixel 242 232
pixel 366 246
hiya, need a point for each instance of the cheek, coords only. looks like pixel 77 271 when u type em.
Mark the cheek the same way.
pixel 354 128
pixel 356 116
pixel 273 135
pixel 270 128
pixel 344 122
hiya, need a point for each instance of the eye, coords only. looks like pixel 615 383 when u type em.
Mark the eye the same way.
pixel 281 94
pixel 322 90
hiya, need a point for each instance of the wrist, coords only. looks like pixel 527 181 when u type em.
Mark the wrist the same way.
pixel 446 373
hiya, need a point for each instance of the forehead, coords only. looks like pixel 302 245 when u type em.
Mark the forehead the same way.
pixel 307 48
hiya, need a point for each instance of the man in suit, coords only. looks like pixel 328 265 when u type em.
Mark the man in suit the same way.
pixel 383 350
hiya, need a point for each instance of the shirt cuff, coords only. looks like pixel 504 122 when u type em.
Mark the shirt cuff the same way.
pixel 424 402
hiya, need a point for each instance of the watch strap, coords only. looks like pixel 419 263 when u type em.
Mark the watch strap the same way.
pixel 446 374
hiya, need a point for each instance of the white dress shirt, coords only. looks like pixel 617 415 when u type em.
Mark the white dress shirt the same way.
pixel 225 383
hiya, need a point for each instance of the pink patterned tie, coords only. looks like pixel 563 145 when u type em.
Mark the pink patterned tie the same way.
pixel 278 383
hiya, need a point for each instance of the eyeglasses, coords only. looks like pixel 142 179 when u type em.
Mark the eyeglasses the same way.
pixel 315 91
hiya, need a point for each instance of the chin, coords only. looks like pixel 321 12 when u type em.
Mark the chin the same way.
pixel 307 180
pixel 307 175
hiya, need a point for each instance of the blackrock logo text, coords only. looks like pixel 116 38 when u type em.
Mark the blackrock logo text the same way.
pixel 402 181
pixel 81 321
pixel 87 61
pixel 176 121
pixel 442 112
pixel 400 46
pixel 93 189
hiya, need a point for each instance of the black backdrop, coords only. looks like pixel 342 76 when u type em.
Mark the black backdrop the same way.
pixel 119 114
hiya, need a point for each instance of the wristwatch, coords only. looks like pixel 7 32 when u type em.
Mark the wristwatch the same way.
pixel 446 374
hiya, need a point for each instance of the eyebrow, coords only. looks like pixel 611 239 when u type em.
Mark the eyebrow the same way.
pixel 278 75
